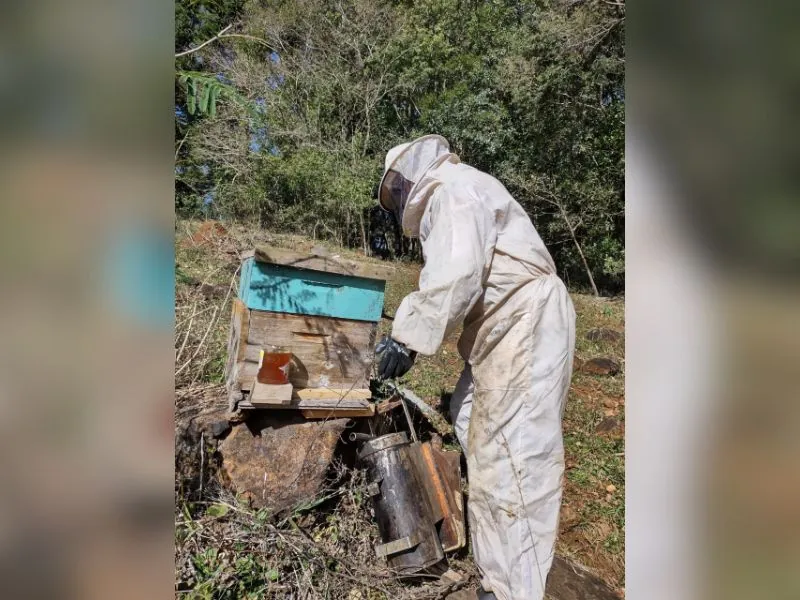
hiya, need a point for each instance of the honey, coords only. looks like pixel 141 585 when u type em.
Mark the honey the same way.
pixel 274 367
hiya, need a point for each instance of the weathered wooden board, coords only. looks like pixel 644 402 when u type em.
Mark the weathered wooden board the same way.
pixel 317 408
pixel 341 334
pixel 278 396
pixel 286 289
pixel 270 395
pixel 335 413
pixel 333 394
pixel 311 291
pixel 319 260
pixel 237 346
pixel 444 469
pixel 328 353
pixel 385 406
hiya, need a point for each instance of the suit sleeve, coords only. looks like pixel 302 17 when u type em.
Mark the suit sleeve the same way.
pixel 458 252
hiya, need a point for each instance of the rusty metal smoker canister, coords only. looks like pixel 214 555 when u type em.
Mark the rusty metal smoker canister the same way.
pixel 402 507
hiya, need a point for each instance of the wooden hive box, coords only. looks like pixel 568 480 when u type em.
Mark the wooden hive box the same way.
pixel 325 310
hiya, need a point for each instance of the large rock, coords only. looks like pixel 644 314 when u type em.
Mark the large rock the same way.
pixel 192 432
pixel 600 366
pixel 570 581
pixel 278 461
pixel 601 334
pixel 609 425
pixel 567 581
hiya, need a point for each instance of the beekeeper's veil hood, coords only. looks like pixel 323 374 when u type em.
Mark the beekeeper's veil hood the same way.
pixel 405 167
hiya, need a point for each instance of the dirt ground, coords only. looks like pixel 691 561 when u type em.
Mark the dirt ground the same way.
pixel 224 549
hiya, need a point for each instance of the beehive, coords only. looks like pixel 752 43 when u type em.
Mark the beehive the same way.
pixel 324 309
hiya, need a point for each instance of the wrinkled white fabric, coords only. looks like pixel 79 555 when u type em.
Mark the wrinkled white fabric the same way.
pixel 487 267
pixel 461 405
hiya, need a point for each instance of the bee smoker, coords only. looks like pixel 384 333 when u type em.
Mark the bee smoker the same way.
pixel 403 510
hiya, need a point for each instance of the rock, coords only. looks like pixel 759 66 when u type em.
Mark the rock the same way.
pixel 601 366
pixel 211 423
pixel 278 460
pixel 569 517
pixel 235 417
pixel 601 334
pixel 234 397
pixel 567 581
pixel 609 403
pixel 452 577
pixel 218 429
pixel 607 425
pixel 611 488
pixel 570 581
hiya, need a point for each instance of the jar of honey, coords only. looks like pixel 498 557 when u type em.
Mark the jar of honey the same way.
pixel 274 365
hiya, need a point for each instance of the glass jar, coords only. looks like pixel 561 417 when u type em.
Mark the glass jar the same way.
pixel 274 365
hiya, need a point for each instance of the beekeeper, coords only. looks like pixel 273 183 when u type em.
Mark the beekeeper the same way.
pixel 487 267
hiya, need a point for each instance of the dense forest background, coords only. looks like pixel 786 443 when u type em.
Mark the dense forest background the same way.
pixel 284 111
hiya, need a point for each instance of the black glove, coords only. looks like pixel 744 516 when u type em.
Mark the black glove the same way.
pixel 396 359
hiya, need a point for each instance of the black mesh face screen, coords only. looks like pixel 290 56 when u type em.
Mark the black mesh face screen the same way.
pixel 394 193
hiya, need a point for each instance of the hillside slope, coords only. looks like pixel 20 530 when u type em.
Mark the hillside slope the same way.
pixel 225 549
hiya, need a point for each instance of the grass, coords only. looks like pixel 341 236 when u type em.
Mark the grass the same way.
pixel 593 519
pixel 243 554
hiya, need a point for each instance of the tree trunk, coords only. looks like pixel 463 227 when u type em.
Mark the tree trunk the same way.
pixel 363 234
pixel 578 246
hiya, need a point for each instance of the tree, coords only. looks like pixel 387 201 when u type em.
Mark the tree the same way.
pixel 531 92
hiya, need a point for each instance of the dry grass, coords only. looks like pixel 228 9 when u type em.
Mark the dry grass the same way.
pixel 226 550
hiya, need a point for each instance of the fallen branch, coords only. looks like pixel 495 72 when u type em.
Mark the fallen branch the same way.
pixel 433 417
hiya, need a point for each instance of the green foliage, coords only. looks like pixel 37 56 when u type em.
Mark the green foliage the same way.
pixel 202 93
pixel 530 91
pixel 217 510
pixel 309 191
pixel 230 576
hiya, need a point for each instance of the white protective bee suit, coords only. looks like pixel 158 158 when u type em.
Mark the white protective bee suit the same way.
pixel 487 267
